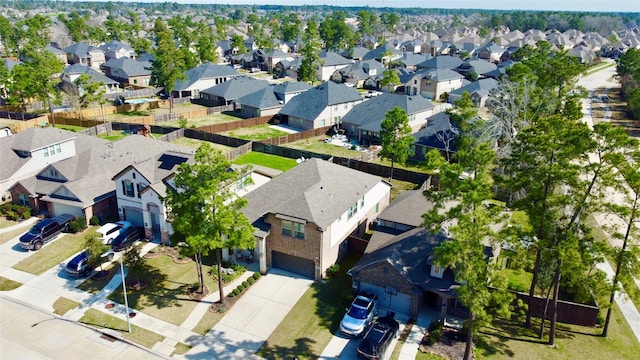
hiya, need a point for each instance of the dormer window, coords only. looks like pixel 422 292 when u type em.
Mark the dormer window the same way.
pixel 437 271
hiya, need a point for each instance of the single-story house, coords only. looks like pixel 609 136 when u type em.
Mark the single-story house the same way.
pixel 303 217
pixel 229 91
pixel 71 73
pixel 203 77
pixel 262 102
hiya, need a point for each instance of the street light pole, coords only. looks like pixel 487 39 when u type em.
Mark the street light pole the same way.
pixel 124 289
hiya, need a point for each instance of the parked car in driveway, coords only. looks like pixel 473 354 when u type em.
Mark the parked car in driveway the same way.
pixel 359 315
pixel 45 231
pixel 126 238
pixel 79 266
pixel 378 337
pixel 110 231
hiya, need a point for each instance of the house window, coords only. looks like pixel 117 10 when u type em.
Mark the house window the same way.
pixel 23 199
pixel 323 122
pixel 352 210
pixel 140 187
pixel 127 188
pixel 377 207
pixel 415 82
pixel 293 229
pixel 335 107
pixel 58 148
pixel 437 271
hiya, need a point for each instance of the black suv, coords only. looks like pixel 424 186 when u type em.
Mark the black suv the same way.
pixel 126 238
pixel 79 265
pixel 378 337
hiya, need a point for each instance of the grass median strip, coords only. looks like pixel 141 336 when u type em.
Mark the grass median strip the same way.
pixel 138 335
pixel 53 253
pixel 8 284
pixel 62 305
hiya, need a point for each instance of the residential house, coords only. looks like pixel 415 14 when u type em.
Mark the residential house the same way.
pixel 60 54
pixel 384 53
pixel 331 62
pixel 321 106
pixel 356 73
pixel 285 91
pixel 83 54
pixel 128 71
pixel 202 77
pixel 116 49
pixel 355 53
pixel 584 53
pixel 411 61
pixel 262 102
pixel 491 53
pixel 273 57
pixel 228 92
pixel 71 73
pixel 432 83
pixel 439 133
pixel 303 217
pixel 142 186
pixel 288 68
pixel 363 122
pixel 440 62
pixel 57 171
pixel 479 91
pixel 479 67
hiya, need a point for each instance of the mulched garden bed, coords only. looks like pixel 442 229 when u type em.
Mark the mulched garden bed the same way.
pixel 170 252
pixel 196 295
pixel 450 345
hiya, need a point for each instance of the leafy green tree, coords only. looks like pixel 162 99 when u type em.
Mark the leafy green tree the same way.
pixel 135 261
pixel 628 69
pixel 389 20
pixel 89 91
pixel 95 249
pixel 237 42
pixel 76 25
pixel 206 44
pixel 628 211
pixel 395 137
pixel 390 78
pixel 308 70
pixel 468 183
pixel 367 22
pixel 204 208
pixel 335 33
pixel 291 27
pixel 168 66
pixel 6 29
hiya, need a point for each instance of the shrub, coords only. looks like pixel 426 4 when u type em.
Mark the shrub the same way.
pixel 251 280
pixel 256 275
pixel 245 284
pixel 235 292
pixel 240 288
pixel 11 215
pixel 333 270
pixel 94 220
pixel 78 225
pixel 182 122
pixel 222 309
pixel 435 330
pixel 232 294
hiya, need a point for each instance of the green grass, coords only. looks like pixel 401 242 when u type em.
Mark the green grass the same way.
pixel 506 340
pixel 317 145
pixel 518 280
pixel 4 223
pixel 311 323
pixel 8 284
pixel 204 120
pixel 62 305
pixel 599 67
pixel 255 133
pixel 268 160
pixel 6 236
pixel 73 128
pixel 427 356
pixel 400 186
pixel 207 322
pixel 166 296
pixel 181 349
pixel 195 144
pixel 138 335
pixel 53 253
pixel 94 285
pixel 113 135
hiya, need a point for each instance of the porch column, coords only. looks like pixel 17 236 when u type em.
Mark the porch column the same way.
pixel 261 253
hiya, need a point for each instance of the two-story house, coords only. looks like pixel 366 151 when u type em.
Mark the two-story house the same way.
pixel 330 62
pixel 128 71
pixel 321 106
pixel 115 49
pixel 202 77
pixel 303 217
pixel 84 54
pixel 433 83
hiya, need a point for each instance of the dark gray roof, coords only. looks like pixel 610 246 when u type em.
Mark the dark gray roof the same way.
pixel 264 98
pixel 439 123
pixel 79 49
pixel 409 59
pixel 10 63
pixel 309 104
pixel 94 74
pixel 378 53
pixel 54 50
pixel 330 58
pixel 289 87
pixel 129 66
pixel 276 53
pixel 237 87
pixel 482 87
pixel 115 45
pixel 439 74
pixel 370 113
pixel 441 62
pixel 363 69
pixel 411 255
pixel 480 66
pixel 407 208
pixel 316 190
pixel 204 71
pixel 356 52
pixel 146 57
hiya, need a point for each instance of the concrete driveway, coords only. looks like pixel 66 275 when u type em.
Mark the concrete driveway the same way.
pixel 252 318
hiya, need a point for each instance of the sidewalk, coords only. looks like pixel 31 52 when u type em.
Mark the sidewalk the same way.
pixel 627 307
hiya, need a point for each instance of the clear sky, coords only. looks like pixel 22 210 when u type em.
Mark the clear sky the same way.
pixel 560 5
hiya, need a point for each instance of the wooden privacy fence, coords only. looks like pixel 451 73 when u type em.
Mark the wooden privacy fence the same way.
pixel 568 312
pixel 232 125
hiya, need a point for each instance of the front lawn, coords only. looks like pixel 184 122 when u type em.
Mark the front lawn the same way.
pixel 505 340
pixel 95 284
pixel 311 323
pixel 138 335
pixel 267 160
pixel 166 296
pixel 62 305
pixel 6 236
pixel 54 253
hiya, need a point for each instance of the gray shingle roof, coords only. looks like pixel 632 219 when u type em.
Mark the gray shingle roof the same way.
pixel 202 72
pixel 79 49
pixel 441 62
pixel 331 58
pixel 482 86
pixel 317 191
pixel 94 74
pixel 237 87
pixel 360 70
pixel 409 59
pixel 480 66
pixel 439 74
pixel 309 104
pixel 289 87
pixel 439 123
pixel 115 45
pixel 129 66
pixel 378 53
pixel 371 112
pixel 407 208
pixel 264 98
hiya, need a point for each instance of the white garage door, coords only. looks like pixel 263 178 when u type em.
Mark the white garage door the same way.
pixel 59 209
pixel 400 302
pixel 134 216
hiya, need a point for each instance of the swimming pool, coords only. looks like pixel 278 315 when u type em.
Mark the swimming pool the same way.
pixel 136 101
